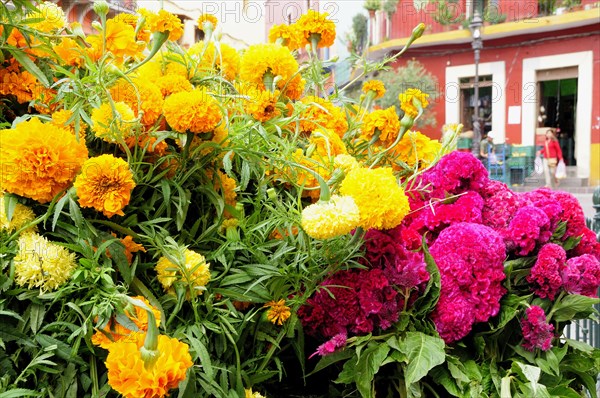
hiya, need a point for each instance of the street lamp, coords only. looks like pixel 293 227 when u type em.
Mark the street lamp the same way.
pixel 475 26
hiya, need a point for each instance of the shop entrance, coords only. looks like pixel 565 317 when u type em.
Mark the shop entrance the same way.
pixel 557 97
pixel 467 98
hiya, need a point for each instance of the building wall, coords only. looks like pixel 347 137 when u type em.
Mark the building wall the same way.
pixel 515 85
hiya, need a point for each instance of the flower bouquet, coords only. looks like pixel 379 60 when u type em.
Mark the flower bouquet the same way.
pixel 206 222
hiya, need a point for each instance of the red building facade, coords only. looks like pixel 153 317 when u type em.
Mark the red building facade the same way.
pixel 536 72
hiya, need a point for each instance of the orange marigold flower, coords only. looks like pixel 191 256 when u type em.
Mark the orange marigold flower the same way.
pixel 114 331
pixel 128 375
pixel 150 98
pixel 322 114
pixel 278 312
pixel 62 118
pixel 20 84
pixel 207 18
pixel 224 59
pixel 148 142
pixel 327 144
pixel 288 34
pixel 409 97
pixel 49 17
pixel 130 248
pixel 163 22
pixel 195 111
pixel 172 84
pixel 315 24
pixel 262 105
pixel 383 124
pixel 376 86
pixel 194 272
pixel 69 52
pixel 39 160
pixel 112 127
pixel 120 40
pixel 272 59
pixel 295 88
pixel 105 184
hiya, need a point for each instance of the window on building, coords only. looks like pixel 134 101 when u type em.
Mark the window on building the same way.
pixel 467 102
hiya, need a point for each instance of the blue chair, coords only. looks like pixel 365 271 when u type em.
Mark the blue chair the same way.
pixel 496 165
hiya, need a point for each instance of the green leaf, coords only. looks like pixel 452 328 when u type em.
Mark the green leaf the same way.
pixel 368 365
pixel 36 316
pixel 17 393
pixel 58 209
pixel 330 359
pixel 424 353
pixel 580 345
pixel 29 66
pixel 505 387
pixel 428 300
pixel 10 204
pixel 573 306
pixel 443 377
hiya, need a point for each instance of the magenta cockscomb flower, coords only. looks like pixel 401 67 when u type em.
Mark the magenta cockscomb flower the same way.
pixel 545 275
pixel 537 332
pixel 455 173
pixel 439 214
pixel 499 205
pixel 470 259
pixel 331 345
pixel 530 227
pixel 582 275
pixel 572 213
pixel 588 245
pixel 453 317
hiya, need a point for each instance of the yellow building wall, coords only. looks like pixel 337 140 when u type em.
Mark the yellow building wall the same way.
pixel 595 165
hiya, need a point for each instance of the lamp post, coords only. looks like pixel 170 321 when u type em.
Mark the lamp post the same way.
pixel 475 26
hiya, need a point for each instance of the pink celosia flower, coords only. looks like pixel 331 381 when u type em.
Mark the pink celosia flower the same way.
pixel 582 275
pixel 545 275
pixel 453 317
pixel 331 345
pixel 470 259
pixel 500 205
pixel 529 227
pixel 537 333
pixel 588 245
pixel 455 173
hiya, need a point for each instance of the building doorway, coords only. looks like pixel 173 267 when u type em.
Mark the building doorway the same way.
pixel 467 102
pixel 557 98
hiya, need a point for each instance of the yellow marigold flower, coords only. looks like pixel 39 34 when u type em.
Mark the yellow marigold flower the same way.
pixel 163 22
pixel 262 104
pixel 327 143
pixel 50 17
pixel 222 58
pixel 207 18
pixel 381 201
pixel 260 59
pixel 417 150
pixel 250 394
pixel 278 312
pixel 114 331
pixel 112 127
pixel 150 101
pixel 408 98
pixel 336 217
pixel 316 23
pixel 290 36
pixel 195 111
pixel 376 86
pixel 322 114
pixel 43 264
pixel 194 272
pixel 105 184
pixel 39 160
pixel 132 20
pixel 172 84
pixel 129 377
pixel 120 40
pixel 21 216
pixel 383 123
pixel 69 52
pixel 346 163
pixel 61 119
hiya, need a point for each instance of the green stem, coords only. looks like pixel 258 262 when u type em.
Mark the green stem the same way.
pixel 160 38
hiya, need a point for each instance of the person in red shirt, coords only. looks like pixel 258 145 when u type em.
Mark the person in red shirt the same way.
pixel 552 155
